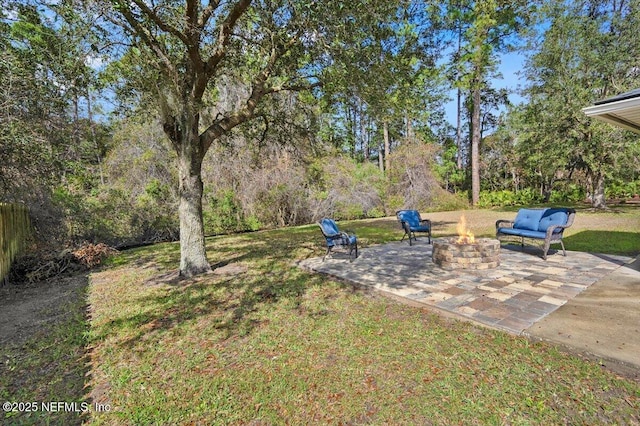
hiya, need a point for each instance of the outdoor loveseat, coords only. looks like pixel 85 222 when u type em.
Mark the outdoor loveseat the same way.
pixel 546 224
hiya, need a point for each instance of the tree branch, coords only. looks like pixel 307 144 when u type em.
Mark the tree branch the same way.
pixel 160 23
pixel 223 37
pixel 207 12
pixel 191 34
pixel 146 37
pixel 227 123
pixel 292 87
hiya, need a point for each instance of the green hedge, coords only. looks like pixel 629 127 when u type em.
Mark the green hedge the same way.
pixel 14 230
pixel 524 197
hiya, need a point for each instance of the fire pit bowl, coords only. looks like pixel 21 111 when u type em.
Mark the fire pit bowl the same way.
pixel 483 253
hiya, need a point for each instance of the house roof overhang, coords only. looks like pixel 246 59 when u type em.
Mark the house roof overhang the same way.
pixel 622 110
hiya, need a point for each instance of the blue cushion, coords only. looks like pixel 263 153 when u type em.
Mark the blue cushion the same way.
pixel 528 219
pixel 522 233
pixel 553 217
pixel 412 217
pixel 329 227
pixel 351 240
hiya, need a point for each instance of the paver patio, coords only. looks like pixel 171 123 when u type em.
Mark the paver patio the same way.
pixel 511 297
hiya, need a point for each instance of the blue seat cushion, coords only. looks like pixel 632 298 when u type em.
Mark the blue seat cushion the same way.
pixel 351 240
pixel 553 217
pixel 528 219
pixel 333 236
pixel 522 233
pixel 419 228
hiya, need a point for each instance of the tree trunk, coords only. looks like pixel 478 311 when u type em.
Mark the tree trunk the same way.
pixel 409 127
pixel 92 127
pixel 475 148
pixel 599 201
pixel 387 145
pixel 351 124
pixel 459 131
pixel 363 131
pixel 193 256
pixel 459 102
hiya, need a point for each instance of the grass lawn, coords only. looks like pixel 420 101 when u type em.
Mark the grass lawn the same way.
pixel 268 343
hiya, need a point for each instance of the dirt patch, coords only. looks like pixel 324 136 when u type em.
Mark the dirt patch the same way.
pixel 28 309
pixel 42 347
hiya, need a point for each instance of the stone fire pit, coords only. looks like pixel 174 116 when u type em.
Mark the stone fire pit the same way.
pixel 483 253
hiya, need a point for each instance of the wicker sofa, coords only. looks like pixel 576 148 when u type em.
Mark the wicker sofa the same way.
pixel 546 224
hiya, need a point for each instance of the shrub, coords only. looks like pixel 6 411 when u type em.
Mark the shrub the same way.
pixel 446 201
pixel 393 203
pixel 571 193
pixel 282 204
pixel 617 189
pixel 411 175
pixel 524 197
pixel 346 189
pixel 222 213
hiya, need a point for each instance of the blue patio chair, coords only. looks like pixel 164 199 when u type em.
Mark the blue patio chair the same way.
pixel 411 222
pixel 338 239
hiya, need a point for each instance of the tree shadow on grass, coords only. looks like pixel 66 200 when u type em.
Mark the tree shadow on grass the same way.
pixel 252 272
pixel 227 302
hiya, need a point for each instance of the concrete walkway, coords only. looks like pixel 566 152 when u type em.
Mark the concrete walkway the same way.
pixel 603 321
pixel 586 302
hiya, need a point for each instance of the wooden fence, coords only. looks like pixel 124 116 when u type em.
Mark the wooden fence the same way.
pixel 15 228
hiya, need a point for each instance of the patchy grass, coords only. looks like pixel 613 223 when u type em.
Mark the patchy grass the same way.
pixel 49 365
pixel 272 344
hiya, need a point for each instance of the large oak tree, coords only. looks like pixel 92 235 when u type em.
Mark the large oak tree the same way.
pixel 187 49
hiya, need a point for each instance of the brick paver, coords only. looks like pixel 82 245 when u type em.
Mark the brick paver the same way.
pixel 512 297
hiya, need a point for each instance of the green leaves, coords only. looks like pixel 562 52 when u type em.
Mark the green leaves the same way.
pixel 585 56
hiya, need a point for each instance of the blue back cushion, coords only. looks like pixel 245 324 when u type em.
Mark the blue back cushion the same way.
pixel 329 226
pixel 529 219
pixel 412 217
pixel 553 217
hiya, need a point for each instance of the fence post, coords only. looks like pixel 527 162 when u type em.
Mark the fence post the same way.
pixel 15 228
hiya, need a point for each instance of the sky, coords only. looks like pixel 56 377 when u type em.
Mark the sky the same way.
pixel 510 65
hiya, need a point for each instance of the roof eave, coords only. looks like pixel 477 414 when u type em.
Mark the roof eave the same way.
pixel 608 112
